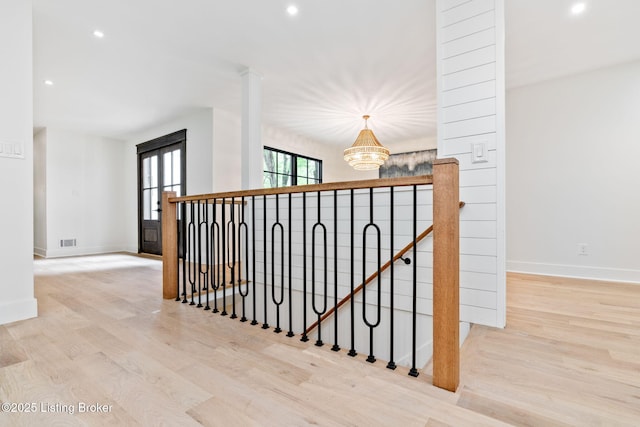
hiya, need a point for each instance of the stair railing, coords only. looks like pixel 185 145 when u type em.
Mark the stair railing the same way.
pixel 268 251
pixel 399 256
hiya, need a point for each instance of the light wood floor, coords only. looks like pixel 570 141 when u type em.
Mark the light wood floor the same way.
pixel 569 356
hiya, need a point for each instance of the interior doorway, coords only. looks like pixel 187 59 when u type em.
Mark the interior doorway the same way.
pixel 161 167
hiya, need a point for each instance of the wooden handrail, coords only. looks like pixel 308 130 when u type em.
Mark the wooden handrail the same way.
pixel 331 186
pixel 170 236
pixel 373 276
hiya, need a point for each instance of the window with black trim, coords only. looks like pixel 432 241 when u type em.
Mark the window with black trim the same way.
pixel 282 169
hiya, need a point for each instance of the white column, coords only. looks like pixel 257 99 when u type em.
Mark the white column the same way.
pixel 471 110
pixel 16 162
pixel 252 147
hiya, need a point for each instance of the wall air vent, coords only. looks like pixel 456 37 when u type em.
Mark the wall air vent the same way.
pixel 66 243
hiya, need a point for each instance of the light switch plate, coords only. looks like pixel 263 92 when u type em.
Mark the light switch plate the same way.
pixel 11 151
pixel 479 152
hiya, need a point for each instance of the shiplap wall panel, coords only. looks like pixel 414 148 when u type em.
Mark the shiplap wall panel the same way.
pixel 466 163
pixel 477 177
pixel 479 229
pixel 483 316
pixel 465 11
pixel 471 42
pixel 468 110
pixel 471 110
pixel 479 74
pixel 471 280
pixel 478 212
pixel 478 246
pixel 468 60
pixel 476 92
pixel 475 126
pixel 469 26
pixel 463 145
pixel 450 4
pixel 478 264
pixel 481 194
pixel 477 298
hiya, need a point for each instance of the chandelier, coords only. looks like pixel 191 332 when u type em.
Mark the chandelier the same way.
pixel 366 153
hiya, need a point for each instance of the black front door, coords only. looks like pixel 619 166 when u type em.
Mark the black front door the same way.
pixel 160 168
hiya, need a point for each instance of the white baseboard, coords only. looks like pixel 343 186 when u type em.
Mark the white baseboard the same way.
pixel 18 310
pixel 575 271
pixel 40 252
pixel 81 251
pixel 131 249
pixel 424 353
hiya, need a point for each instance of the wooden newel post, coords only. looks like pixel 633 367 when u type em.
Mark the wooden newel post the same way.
pixel 446 274
pixel 169 247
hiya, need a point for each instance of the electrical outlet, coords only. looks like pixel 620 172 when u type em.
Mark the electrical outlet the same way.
pixel 582 249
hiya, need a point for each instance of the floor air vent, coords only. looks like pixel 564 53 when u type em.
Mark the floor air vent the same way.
pixel 66 243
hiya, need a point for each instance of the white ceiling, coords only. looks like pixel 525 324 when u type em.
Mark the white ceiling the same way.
pixel 322 69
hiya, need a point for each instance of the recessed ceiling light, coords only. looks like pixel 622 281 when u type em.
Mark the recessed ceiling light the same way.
pixel 48 82
pixel 99 34
pixel 292 10
pixel 578 8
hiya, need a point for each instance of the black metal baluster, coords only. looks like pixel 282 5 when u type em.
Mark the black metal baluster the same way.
pixel 180 247
pixel 371 358
pixel 304 338
pixel 290 333
pixel 265 325
pixel 413 371
pixel 232 258
pixel 185 251
pixel 225 247
pixel 392 363
pixel 277 303
pixel 215 255
pixel 199 264
pixel 192 263
pixel 319 313
pixel 352 351
pixel 243 226
pixel 253 258
pixel 335 347
pixel 207 254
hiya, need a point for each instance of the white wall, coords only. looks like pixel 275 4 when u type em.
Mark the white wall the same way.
pixel 16 127
pixel 84 199
pixel 227 152
pixel 573 175
pixel 213 157
pixel 470 68
pixel 40 192
pixel 341 171
pixel 199 126
pixel 425 143
pixel 334 168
